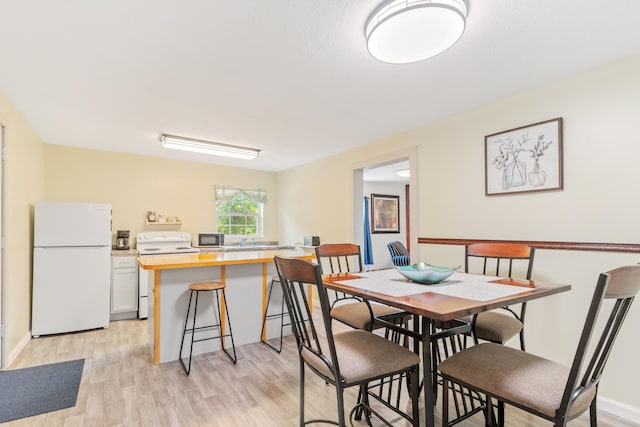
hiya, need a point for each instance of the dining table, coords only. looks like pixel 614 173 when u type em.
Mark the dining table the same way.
pixel 461 294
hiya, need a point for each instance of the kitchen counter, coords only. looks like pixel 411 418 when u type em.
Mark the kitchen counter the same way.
pixel 190 260
pixel 247 275
pixel 245 248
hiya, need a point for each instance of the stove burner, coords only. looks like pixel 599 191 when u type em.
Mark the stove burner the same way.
pixel 155 243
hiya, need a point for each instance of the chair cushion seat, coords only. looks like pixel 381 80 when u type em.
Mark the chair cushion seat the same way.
pixel 364 355
pixel 357 314
pixel 495 326
pixel 516 376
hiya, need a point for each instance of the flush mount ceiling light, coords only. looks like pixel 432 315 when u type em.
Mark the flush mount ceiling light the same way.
pixel 403 173
pixel 405 31
pixel 207 147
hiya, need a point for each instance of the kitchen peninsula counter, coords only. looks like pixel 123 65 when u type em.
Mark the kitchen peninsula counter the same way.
pixel 168 278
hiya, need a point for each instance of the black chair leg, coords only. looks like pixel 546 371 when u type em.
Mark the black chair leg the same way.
pixel 445 402
pixel 359 410
pixel 302 421
pixel 184 331
pixel 522 347
pixel 414 380
pixel 272 316
pixel 233 358
pixel 593 412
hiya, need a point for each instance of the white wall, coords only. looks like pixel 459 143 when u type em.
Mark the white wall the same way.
pixel 381 257
pixel 599 201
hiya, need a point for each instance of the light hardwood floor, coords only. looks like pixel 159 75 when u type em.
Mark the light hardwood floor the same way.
pixel 120 386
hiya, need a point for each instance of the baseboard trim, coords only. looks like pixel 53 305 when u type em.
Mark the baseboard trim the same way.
pixel 621 410
pixel 16 351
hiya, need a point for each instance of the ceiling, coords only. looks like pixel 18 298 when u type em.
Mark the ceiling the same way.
pixel 386 173
pixel 290 77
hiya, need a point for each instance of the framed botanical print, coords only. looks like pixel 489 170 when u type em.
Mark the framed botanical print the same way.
pixel 524 159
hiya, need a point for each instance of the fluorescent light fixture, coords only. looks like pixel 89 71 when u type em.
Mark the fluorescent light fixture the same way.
pixel 405 31
pixel 404 173
pixel 207 147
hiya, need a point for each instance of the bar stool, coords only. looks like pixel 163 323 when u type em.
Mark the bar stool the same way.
pixel 216 287
pixel 283 312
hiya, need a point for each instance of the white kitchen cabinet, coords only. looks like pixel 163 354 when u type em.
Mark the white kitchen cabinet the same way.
pixel 124 287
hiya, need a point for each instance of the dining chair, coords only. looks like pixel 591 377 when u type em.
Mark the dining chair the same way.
pixel 399 254
pixel 350 358
pixel 499 259
pixel 352 311
pixel 540 386
pixel 497 326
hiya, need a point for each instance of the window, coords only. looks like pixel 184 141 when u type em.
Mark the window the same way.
pixel 239 211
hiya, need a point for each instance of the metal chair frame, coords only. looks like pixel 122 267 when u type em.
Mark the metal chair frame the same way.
pixel 622 285
pixel 451 337
pixel 218 326
pixel 501 254
pixel 295 274
pixel 341 258
pixel 280 315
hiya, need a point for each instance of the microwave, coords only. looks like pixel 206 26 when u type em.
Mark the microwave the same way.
pixel 311 241
pixel 209 240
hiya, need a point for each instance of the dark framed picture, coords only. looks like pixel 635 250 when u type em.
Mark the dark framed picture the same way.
pixel 524 159
pixel 385 213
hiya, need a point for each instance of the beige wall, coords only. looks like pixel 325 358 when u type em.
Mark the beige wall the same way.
pixel 136 184
pixel 599 202
pixel 24 183
pixel 132 184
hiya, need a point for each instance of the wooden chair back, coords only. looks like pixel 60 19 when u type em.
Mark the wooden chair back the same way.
pixel 498 258
pixel 339 257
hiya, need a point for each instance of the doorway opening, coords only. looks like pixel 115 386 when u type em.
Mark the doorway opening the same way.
pixel 378 176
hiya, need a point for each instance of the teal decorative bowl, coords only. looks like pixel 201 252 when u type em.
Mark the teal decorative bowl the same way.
pixel 424 273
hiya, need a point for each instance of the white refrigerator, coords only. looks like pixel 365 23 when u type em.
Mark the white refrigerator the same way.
pixel 71 267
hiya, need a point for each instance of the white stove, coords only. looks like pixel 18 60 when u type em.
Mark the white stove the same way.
pixel 164 242
pixel 158 243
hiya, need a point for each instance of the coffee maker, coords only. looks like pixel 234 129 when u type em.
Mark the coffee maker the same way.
pixel 122 239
